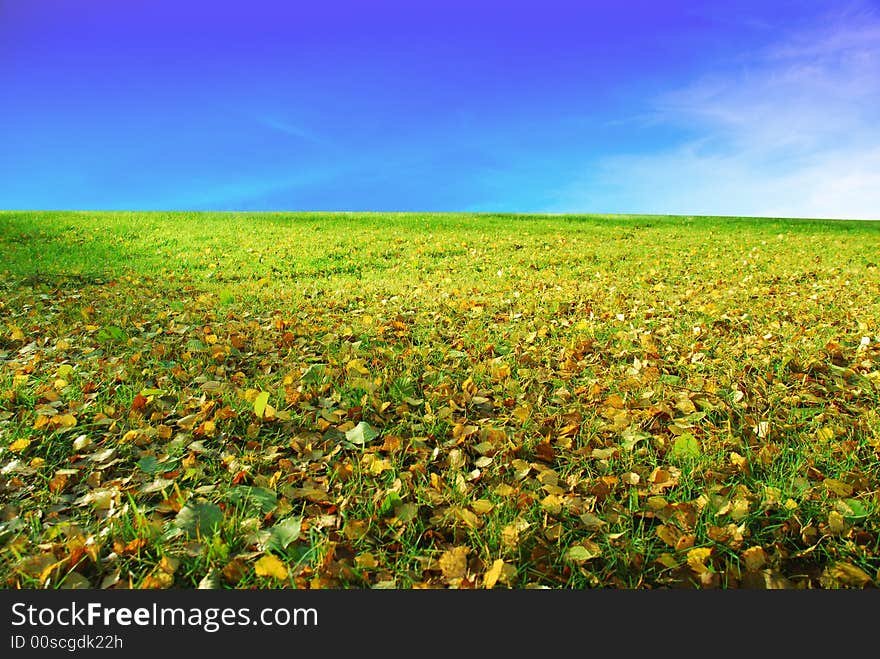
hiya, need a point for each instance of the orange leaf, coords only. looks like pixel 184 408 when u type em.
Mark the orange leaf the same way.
pixel 20 444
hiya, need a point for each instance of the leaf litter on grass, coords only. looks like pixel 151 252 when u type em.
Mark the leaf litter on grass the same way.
pixel 526 403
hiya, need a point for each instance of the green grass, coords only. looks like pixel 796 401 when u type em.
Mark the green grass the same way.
pixel 549 401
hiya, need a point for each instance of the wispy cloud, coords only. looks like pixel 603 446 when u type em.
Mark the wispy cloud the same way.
pixel 791 130
pixel 237 192
pixel 287 127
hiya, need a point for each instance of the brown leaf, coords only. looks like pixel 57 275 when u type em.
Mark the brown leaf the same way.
pixel 58 483
pixel 545 452
pixel 674 537
pixel 845 574
pixel 130 549
pixel 754 558
pixel 235 570
pixel 157 580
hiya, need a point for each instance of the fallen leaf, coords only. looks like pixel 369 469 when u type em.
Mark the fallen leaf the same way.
pixel 453 563
pixel 846 574
pixel 362 433
pixel 199 518
pixel 211 581
pixel 284 532
pixel 587 550
pixel 270 566
pixel 260 403
pixel 754 558
pixel 493 574
pixel 837 487
pixel 19 445
pixel 696 559
pixel 686 445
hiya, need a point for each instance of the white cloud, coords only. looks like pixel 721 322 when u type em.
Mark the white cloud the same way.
pixel 792 131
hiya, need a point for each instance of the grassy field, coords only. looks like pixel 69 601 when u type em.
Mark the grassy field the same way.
pixel 438 401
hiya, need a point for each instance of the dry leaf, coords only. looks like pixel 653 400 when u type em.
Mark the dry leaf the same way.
pixel 493 574
pixel 453 563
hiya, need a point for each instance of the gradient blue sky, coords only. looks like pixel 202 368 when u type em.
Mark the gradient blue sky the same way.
pixel 742 107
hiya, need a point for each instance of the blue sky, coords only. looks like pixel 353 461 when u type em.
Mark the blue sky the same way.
pixel 714 108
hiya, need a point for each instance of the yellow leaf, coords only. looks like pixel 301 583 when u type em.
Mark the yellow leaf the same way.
pixel 482 506
pixel 491 577
pixel 15 333
pixel 552 504
pixel 825 434
pixel 357 365
pixel 130 436
pixel 460 431
pixel 270 566
pixel 379 465
pixel 260 403
pixel 470 518
pixel 696 559
pixel 522 413
pixel 739 461
pixel 631 478
pixel 504 490
pixel 500 371
pixel 19 445
pixel 739 509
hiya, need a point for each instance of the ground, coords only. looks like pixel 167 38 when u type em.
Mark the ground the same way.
pixel 320 400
